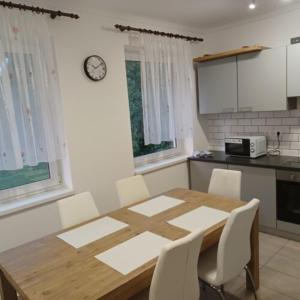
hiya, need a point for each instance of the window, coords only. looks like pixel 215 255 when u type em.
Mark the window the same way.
pixel 29 180
pixel 33 156
pixel 141 151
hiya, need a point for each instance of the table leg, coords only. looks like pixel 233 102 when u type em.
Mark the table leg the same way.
pixel 254 262
pixel 7 292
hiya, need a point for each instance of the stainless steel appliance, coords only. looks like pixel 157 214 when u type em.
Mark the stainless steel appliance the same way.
pixel 246 146
pixel 288 201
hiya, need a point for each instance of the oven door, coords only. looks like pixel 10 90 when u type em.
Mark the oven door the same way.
pixel 237 147
pixel 288 201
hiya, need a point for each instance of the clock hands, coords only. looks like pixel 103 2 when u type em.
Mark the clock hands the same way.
pixel 94 67
pixel 97 66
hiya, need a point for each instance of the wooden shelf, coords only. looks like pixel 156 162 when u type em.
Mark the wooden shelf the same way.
pixel 243 50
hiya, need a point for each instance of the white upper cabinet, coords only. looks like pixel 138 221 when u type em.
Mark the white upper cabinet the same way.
pixel 293 70
pixel 262 80
pixel 217 83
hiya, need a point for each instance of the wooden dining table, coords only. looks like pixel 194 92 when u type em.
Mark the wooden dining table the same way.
pixel 49 268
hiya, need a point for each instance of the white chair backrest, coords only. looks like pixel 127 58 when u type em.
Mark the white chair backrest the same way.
pixel 175 276
pixel 77 209
pixel 225 183
pixel 132 189
pixel 234 250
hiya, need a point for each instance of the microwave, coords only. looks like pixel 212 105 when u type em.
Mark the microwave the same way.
pixel 246 146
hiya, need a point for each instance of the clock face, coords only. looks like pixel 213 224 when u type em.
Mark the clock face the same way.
pixel 95 68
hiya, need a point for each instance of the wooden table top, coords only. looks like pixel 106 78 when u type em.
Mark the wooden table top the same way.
pixel 49 268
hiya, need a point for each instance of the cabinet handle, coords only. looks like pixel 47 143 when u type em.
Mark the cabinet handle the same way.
pixel 243 109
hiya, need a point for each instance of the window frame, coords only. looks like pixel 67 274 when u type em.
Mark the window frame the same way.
pixel 132 53
pixel 27 190
pixel 160 155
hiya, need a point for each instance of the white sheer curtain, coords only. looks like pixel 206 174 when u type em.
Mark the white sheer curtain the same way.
pixel 167 89
pixel 31 129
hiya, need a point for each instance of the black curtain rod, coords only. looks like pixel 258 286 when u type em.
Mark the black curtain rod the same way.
pixel 53 13
pixel 167 34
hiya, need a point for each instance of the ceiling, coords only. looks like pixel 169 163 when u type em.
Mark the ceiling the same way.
pixel 202 14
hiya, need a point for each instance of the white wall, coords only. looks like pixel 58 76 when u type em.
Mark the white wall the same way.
pixel 97 124
pixel 272 31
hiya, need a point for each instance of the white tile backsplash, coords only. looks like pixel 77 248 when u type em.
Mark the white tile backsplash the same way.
pixel 291 137
pixel 258 121
pixel 251 115
pixel 238 116
pixel 220 122
pixel 219 126
pixel 266 114
pixel 244 122
pixel 231 122
pixel 273 121
pixel 281 114
pixel 290 121
pixel 295 145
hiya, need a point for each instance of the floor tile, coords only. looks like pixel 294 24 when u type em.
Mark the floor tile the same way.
pixel 263 294
pixel 269 245
pixel 280 282
pixel 272 242
pixel 291 250
pixel 265 255
pixel 285 264
pixel 294 244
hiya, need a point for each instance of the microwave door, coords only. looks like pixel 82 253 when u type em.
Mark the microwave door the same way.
pixel 238 149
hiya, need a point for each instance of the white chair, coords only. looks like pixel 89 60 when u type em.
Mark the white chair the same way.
pixel 224 262
pixel 225 183
pixel 132 189
pixel 175 276
pixel 77 209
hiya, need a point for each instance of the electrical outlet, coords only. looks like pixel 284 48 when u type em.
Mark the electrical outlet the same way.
pixel 295 40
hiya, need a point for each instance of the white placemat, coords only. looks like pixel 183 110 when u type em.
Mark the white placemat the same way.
pixel 91 232
pixel 156 205
pixel 134 252
pixel 200 218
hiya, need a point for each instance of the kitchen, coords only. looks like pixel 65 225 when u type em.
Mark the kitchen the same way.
pixel 248 99
pixel 134 176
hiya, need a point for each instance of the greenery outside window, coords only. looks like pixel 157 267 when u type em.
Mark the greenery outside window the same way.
pixel 30 180
pixel 27 175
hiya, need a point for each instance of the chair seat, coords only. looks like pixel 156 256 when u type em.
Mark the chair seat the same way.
pixel 207 266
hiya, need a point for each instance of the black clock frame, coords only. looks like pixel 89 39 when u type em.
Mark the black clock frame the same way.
pixel 86 70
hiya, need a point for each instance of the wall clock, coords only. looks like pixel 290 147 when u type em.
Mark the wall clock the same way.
pixel 95 67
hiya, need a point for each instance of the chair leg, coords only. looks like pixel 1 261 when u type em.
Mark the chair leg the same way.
pixel 220 291
pixel 202 284
pixel 248 273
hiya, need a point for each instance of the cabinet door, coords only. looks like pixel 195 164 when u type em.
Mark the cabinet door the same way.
pixel 200 173
pixel 217 84
pixel 262 80
pixel 293 70
pixel 261 184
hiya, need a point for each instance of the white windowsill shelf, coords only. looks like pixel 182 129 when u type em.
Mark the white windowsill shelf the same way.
pixel 154 166
pixel 16 206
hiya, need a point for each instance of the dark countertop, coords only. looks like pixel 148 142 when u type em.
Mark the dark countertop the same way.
pixel 289 163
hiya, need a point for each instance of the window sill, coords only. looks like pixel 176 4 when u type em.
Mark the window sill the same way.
pixel 33 201
pixel 151 167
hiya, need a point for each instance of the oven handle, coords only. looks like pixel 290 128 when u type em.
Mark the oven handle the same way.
pixel 288 176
